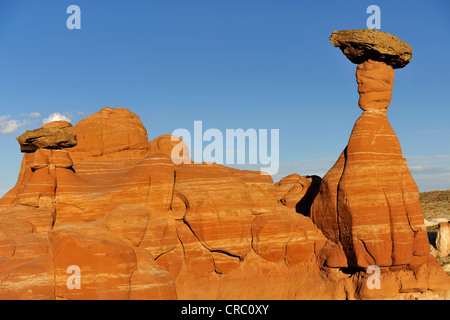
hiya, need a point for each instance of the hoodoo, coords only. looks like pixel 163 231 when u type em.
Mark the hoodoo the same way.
pixel 368 203
pixel 136 223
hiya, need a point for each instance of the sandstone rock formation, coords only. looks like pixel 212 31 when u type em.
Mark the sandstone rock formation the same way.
pixel 141 227
pixel 443 239
pixel 138 223
pixel 364 44
pixel 47 138
pixel 57 124
pixel 115 132
pixel 299 192
pixel 171 146
pixel 368 204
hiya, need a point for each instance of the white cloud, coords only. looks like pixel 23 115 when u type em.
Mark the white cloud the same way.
pixel 430 172
pixel 31 115
pixel 57 116
pixel 9 126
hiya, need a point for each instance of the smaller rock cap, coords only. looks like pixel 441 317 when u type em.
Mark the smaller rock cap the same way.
pixel 363 44
pixel 47 138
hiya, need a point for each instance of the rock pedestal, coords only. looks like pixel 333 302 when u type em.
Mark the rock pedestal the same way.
pixel 368 203
pixel 443 239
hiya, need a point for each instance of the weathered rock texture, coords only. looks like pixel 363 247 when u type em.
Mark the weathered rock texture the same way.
pixel 368 204
pixel 443 239
pixel 368 201
pixel 138 223
pixel 171 146
pixel 364 44
pixel 47 137
pixel 141 227
pixel 295 191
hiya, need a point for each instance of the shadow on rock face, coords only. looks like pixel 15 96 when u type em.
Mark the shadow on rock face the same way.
pixel 304 205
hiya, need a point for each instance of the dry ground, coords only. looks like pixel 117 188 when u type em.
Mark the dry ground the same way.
pixel 435 203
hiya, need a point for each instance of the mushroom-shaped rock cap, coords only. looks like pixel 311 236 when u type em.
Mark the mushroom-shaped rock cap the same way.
pixel 364 44
pixel 47 138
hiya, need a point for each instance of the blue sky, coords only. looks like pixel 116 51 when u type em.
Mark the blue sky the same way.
pixel 232 64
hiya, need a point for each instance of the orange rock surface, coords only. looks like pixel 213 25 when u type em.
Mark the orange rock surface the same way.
pixel 121 217
pixel 368 203
pixel 139 226
pixel 295 191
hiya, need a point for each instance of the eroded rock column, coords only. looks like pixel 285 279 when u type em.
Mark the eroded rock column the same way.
pixel 368 204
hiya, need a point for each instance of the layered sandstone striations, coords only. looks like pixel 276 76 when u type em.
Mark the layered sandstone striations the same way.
pixel 368 204
pixel 140 226
pixel 375 213
pixel 140 221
